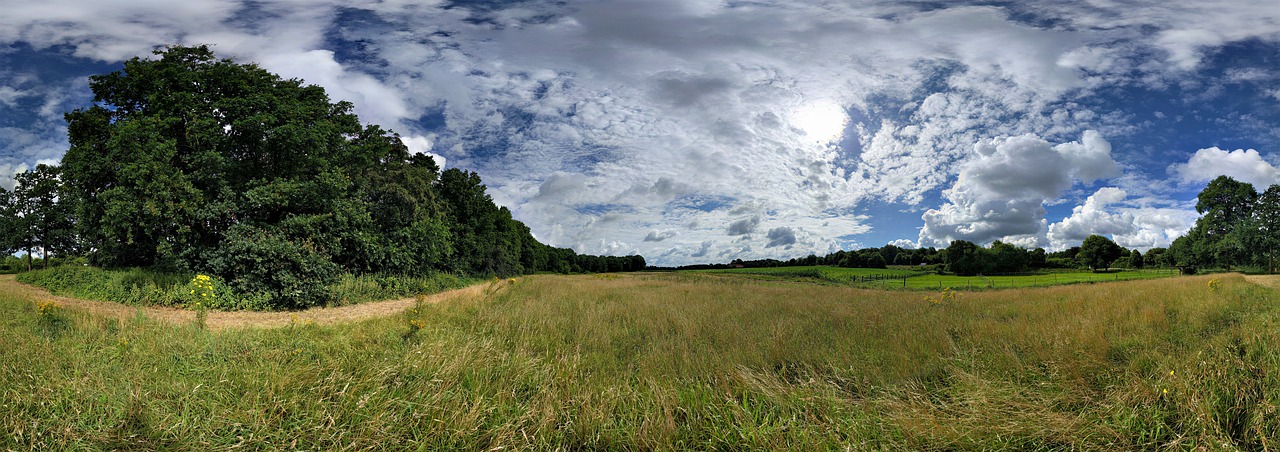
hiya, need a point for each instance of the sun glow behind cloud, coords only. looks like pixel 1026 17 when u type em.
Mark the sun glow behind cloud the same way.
pixel 822 121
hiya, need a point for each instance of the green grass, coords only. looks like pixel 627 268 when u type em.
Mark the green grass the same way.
pixel 671 362
pixel 819 273
pixel 910 279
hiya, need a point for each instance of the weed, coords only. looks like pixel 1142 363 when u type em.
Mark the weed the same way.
pixel 946 297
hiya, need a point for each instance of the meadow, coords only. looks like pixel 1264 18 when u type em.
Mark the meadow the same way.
pixel 666 362
pixel 913 278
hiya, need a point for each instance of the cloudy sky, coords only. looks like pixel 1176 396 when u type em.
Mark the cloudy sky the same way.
pixel 707 130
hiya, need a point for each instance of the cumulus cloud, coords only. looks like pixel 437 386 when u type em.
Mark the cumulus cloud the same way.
pixel 1001 190
pixel 8 172
pixel 658 236
pixel 744 226
pixel 1092 218
pixel 703 249
pixel 1111 212
pixel 1245 165
pixel 783 236
pixel 903 243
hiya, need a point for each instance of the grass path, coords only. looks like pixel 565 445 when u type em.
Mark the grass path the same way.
pixel 1272 281
pixel 220 320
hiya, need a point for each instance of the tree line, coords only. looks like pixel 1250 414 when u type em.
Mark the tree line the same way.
pixel 1239 227
pixel 191 163
pixel 963 257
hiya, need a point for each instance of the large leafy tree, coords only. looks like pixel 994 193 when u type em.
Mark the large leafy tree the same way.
pixel 1099 252
pixel 1226 205
pixel 203 164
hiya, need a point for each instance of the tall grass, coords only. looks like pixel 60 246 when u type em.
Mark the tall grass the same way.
pixel 672 362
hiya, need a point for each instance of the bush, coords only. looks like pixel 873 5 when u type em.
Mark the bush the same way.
pixel 264 263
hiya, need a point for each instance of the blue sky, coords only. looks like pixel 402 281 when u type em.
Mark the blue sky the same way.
pixel 706 130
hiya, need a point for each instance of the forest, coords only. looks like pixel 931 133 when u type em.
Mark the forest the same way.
pixel 190 163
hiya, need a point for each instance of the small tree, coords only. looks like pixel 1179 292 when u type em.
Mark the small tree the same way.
pixel 1098 252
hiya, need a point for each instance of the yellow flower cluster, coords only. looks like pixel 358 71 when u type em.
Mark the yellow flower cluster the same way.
pixel 47 308
pixel 202 285
pixel 947 296
pixel 1215 284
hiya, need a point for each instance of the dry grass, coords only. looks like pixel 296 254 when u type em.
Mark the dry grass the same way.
pixel 672 362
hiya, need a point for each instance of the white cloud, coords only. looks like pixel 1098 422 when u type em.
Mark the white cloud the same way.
pixel 658 236
pixel 1110 212
pixel 1245 165
pixel 600 123
pixel 422 145
pixel 1092 218
pixel 1001 190
pixel 903 243
pixel 8 172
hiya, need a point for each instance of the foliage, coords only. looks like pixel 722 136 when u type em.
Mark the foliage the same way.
pixel 143 287
pixel 31 216
pixel 966 258
pixel 1237 228
pixel 1098 252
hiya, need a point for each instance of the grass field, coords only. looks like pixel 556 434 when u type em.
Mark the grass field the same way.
pixel 817 274
pixel 910 279
pixel 670 361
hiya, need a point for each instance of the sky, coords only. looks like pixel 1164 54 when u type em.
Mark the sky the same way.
pixel 693 131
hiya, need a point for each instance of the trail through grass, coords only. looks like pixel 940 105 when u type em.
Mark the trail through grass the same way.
pixel 668 362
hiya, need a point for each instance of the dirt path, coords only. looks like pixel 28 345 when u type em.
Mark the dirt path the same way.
pixel 218 320
pixel 1272 281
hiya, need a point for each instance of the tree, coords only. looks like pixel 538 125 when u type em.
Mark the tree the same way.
pixel 1037 258
pixel 1136 260
pixel 8 223
pixel 1007 258
pixel 41 216
pixel 1157 257
pixel 1266 215
pixel 1226 205
pixel 965 258
pixel 1098 252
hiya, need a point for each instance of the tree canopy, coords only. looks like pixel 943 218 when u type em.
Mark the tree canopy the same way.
pixel 1098 252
